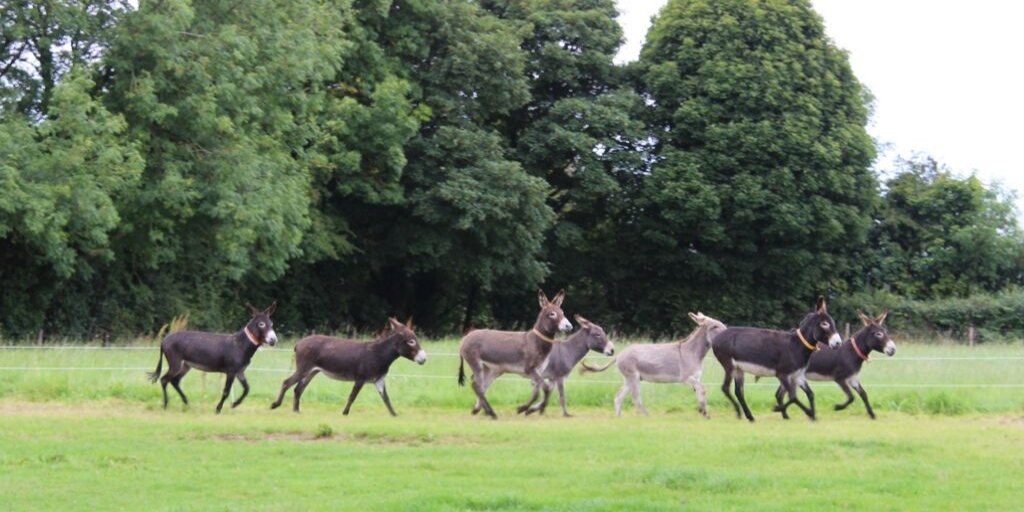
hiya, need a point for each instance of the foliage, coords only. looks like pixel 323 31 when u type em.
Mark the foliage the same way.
pixel 357 159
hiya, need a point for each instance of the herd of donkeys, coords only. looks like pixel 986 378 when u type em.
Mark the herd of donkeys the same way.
pixel 794 357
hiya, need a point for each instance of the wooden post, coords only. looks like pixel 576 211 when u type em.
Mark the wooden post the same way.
pixel 970 335
pixel 846 334
pixel 39 339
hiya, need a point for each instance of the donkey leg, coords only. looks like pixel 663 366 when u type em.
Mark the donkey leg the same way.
pixel 864 396
pixel 285 386
pixel 539 408
pixel 702 397
pixel 176 382
pixel 849 395
pixel 810 397
pixel 488 378
pixel 780 392
pixel 383 391
pixel 726 384
pixel 561 397
pixel 738 377
pixel 793 398
pixel 352 396
pixel 538 383
pixel 228 381
pixel 245 389
pixel 621 397
pixel 300 387
pixel 634 389
pixel 480 390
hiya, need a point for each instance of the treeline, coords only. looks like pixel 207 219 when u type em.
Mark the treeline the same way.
pixel 443 159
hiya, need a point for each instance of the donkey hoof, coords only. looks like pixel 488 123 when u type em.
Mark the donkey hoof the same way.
pixel 275 405
pixel 564 414
pixel 522 409
pixel 839 407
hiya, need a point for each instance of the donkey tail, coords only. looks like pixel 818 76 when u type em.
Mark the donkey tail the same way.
pixel 462 371
pixel 159 364
pixel 584 367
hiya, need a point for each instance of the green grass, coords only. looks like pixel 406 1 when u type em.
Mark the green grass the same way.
pixel 98 440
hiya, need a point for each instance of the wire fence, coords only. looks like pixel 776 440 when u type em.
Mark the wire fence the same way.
pixel 521 381
pixel 454 354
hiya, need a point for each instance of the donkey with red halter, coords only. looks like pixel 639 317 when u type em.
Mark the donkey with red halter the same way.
pixel 492 353
pixel 843 365
pixel 350 360
pixel 209 352
pixel 565 355
pixel 771 353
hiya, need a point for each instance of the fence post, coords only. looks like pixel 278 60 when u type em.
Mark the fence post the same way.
pixel 846 334
pixel 970 335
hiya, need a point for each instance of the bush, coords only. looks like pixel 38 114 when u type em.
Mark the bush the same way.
pixel 995 316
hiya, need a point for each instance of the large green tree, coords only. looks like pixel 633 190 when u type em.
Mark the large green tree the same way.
pixel 761 182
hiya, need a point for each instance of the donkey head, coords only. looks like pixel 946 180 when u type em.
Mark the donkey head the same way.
pixel 406 341
pixel 820 326
pixel 710 326
pixel 875 336
pixel 260 328
pixel 596 338
pixel 551 317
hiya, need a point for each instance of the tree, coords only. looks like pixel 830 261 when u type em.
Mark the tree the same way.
pixel 63 179
pixel 761 176
pixel 939 235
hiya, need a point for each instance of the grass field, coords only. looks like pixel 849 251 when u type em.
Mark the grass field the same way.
pixel 97 439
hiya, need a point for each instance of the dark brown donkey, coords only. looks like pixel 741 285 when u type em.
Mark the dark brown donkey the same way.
pixel 351 360
pixel 771 353
pixel 209 352
pixel 564 357
pixel 490 354
pixel 843 365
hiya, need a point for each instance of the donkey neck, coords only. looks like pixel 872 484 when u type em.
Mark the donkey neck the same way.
pixel 858 361
pixel 247 347
pixel 546 332
pixel 575 346
pixel 385 350
pixel 801 339
pixel 695 344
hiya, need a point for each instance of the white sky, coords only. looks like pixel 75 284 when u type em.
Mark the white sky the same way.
pixel 947 76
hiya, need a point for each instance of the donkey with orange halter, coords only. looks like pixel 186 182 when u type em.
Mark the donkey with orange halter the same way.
pixel 843 365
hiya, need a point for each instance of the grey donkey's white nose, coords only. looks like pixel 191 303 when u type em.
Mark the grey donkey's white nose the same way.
pixel 565 325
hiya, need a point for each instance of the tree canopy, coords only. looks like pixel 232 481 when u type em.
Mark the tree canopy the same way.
pixel 444 159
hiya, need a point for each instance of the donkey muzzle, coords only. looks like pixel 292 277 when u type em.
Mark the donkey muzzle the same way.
pixel 835 340
pixel 565 325
pixel 271 338
pixel 890 348
pixel 609 349
pixel 421 357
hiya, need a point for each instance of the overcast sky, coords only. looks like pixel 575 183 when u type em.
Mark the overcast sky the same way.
pixel 947 76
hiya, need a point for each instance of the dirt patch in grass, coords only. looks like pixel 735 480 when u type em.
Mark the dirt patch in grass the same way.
pixel 375 438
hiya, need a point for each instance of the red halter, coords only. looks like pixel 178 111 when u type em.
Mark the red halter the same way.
pixel 252 338
pixel 853 341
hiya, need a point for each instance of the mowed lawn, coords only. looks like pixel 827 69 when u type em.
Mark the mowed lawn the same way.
pixel 98 440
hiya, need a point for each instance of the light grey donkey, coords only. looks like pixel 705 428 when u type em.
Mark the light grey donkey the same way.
pixel 665 362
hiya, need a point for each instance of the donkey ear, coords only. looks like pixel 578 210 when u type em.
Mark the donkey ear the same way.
pixel 584 323
pixel 408 323
pixel 542 299
pixel 252 309
pixel 822 306
pixel 395 324
pixel 881 318
pixel 271 308
pixel 694 317
pixel 557 301
pixel 866 320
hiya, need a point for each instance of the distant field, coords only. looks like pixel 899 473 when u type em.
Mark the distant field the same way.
pixel 97 439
